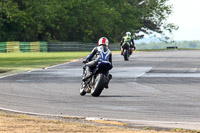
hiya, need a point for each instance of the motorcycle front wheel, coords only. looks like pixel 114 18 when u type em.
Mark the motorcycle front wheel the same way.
pixel 82 90
pixel 126 55
pixel 99 85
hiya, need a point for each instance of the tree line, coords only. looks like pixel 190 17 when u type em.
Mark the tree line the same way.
pixel 81 20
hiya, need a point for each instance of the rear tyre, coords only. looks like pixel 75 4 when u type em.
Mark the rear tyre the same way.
pixel 99 85
pixel 126 57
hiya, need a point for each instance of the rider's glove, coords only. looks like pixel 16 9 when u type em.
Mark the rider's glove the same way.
pixel 84 61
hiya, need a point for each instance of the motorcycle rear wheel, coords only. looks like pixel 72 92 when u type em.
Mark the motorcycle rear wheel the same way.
pixel 99 85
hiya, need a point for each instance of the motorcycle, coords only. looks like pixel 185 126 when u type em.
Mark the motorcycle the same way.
pixel 96 82
pixel 126 51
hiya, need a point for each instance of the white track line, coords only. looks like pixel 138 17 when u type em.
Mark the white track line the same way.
pixel 39 114
pixel 172 75
pixel 8 75
pixel 39 69
pixel 53 66
pixel 63 64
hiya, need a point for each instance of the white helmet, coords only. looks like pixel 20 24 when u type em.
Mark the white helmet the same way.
pixel 128 33
pixel 103 41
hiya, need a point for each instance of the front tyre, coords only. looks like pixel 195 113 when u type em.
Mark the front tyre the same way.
pixel 99 85
pixel 82 90
pixel 126 56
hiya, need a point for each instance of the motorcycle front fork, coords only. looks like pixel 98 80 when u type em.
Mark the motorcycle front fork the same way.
pixel 88 84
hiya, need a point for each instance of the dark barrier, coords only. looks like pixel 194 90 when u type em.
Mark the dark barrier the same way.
pixel 69 46
pixel 172 47
pixel 75 46
pixel 50 46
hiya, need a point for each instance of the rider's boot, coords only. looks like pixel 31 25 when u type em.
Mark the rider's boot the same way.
pixel 88 75
pixel 108 80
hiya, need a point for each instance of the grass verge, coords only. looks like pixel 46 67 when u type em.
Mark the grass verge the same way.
pixel 29 61
pixel 17 123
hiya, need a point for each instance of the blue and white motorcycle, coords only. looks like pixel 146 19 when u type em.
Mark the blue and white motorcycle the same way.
pixel 96 83
pixel 99 77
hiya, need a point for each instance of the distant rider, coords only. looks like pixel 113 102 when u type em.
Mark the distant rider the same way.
pixel 129 39
pixel 102 53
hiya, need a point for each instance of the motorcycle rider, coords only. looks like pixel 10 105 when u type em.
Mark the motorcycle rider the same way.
pixel 102 53
pixel 129 39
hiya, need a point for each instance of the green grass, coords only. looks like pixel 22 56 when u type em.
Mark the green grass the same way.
pixel 29 61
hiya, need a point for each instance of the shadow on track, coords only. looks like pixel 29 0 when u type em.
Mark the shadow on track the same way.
pixel 119 96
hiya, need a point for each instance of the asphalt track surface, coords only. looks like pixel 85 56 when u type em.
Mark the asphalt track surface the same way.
pixel 159 89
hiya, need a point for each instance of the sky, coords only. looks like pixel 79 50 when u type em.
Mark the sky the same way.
pixel 186 14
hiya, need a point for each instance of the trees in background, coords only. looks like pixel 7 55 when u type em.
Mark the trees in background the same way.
pixel 81 20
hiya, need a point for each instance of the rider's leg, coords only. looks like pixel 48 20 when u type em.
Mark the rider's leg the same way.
pixel 89 65
pixel 88 73
pixel 92 64
pixel 122 51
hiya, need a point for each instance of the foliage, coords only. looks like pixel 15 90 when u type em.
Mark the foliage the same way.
pixel 81 20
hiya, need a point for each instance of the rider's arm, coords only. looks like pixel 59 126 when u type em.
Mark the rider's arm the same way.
pixel 110 58
pixel 122 41
pixel 133 43
pixel 92 54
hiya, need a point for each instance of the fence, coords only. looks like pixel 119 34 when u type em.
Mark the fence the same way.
pixel 2 47
pixel 7 47
pixel 75 46
pixel 49 47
